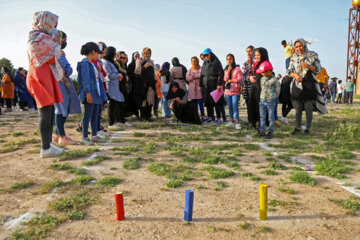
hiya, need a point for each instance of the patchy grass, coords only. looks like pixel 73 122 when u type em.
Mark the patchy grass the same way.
pixel 83 179
pixel 176 173
pixel 16 144
pixel 22 185
pixel 150 147
pixel 38 228
pixel 253 147
pixel 245 225
pixel 73 206
pixel 96 160
pixel 352 204
pixel 79 153
pixel 51 185
pixel 17 134
pixel 69 168
pixel 217 173
pixel 132 163
pixel 139 134
pixel 344 154
pixel 302 177
pixel 332 168
pixel 221 185
pixel 277 166
pixel 269 172
pixel 109 181
pixel 263 229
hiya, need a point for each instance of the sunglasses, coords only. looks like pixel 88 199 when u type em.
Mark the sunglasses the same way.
pixel 205 55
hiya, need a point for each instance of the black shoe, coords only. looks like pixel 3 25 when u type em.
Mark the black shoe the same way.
pixel 261 134
pixel 269 135
pixel 296 131
pixel 307 132
pixel 149 120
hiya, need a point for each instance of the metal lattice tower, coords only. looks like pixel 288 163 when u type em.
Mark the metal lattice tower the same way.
pixel 353 42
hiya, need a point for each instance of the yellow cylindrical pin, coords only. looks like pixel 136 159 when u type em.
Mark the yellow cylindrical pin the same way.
pixel 263 202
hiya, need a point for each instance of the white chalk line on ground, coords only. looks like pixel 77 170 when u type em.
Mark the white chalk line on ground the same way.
pixel 304 161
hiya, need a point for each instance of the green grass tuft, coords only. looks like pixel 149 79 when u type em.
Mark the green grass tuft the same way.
pixel 302 177
pixel 332 168
pixel 109 181
pixel 96 160
pixel 254 147
pixel 132 163
pixel 217 173
pixel 269 172
pixel 74 154
pixel 22 185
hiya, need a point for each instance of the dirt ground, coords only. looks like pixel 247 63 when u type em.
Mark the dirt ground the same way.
pixel 155 211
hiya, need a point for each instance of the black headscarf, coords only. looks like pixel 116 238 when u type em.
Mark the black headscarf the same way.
pixel 176 63
pixel 212 67
pixel 264 57
pixel 179 93
pixel 233 65
pixel 110 55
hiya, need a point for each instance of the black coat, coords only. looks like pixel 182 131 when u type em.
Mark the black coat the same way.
pixel 212 76
pixel 285 96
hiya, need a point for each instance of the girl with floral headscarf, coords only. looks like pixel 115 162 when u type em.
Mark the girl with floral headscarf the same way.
pixel 43 76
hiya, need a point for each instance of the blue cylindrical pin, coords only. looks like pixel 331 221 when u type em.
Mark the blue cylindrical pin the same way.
pixel 189 203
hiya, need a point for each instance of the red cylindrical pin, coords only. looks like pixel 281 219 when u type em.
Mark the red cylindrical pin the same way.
pixel 119 203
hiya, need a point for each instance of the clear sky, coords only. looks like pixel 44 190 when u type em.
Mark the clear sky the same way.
pixel 184 28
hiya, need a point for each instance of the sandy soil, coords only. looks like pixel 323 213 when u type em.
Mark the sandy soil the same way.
pixel 152 213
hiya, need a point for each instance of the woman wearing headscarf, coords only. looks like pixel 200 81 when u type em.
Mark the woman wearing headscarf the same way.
pixel 246 71
pixel 165 84
pixel 261 55
pixel 233 78
pixel 43 76
pixel 71 103
pixel 134 102
pixel 145 68
pixel 116 111
pixel 212 78
pixel 193 78
pixel 178 73
pixel 184 111
pixel 305 90
pixel 24 96
pixel 8 88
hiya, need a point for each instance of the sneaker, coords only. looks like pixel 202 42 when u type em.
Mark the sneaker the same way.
pixel 261 134
pixel 229 124
pixel 286 120
pixel 237 126
pixel 87 142
pixel 53 145
pixel 115 127
pixel 127 124
pixel 296 131
pixel 65 140
pixel 55 138
pixel 51 152
pixel 103 133
pixel 23 110
pixel 97 139
pixel 307 132
pixel 269 135
pixel 277 123
pixel 217 122
pixel 208 120
pixel 34 110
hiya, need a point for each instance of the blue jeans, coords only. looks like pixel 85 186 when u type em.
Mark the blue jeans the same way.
pixel 276 118
pixel 287 63
pixel 333 97
pixel 60 124
pixel 200 105
pixel 233 103
pixel 166 112
pixel 91 113
pixel 267 108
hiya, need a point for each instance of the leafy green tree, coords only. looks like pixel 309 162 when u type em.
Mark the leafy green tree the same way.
pixel 4 62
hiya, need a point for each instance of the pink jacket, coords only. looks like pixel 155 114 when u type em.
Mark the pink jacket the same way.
pixel 193 77
pixel 236 74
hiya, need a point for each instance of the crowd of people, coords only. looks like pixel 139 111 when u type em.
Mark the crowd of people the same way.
pixel 106 79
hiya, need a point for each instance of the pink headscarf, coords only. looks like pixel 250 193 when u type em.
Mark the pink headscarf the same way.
pixel 41 47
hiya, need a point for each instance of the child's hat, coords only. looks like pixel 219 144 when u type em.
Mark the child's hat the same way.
pixel 265 66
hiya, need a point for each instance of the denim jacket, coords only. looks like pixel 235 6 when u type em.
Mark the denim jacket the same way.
pixel 87 83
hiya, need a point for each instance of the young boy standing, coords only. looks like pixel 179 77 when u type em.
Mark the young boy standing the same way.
pixel 270 91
